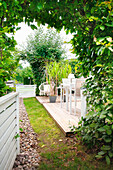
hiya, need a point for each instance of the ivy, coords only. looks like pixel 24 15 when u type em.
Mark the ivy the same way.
pixel 91 23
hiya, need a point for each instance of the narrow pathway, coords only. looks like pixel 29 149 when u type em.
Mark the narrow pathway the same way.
pixel 28 157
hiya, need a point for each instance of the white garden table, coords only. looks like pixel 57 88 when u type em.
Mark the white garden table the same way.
pixel 70 85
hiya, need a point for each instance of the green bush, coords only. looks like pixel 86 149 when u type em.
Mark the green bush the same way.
pixel 97 130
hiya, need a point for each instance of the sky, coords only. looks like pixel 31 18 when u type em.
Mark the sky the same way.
pixel 22 34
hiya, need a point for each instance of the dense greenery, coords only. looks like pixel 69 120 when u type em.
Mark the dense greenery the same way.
pixel 55 72
pixel 12 12
pixel 56 150
pixel 24 75
pixel 42 47
pixel 92 25
pixel 8 61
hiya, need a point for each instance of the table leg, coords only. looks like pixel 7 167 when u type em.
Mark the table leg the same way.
pixel 61 97
pixel 70 99
pixel 67 99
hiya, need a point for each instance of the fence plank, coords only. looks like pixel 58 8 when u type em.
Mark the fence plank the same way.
pixel 7 158
pixel 6 104
pixel 6 134
pixel 7 123
pixel 6 98
pixel 5 114
pixel 12 159
pixel 9 127
pixel 7 144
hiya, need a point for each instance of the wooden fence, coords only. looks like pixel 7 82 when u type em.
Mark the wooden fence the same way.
pixel 9 128
pixel 26 90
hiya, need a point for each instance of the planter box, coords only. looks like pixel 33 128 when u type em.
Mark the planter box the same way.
pixel 52 99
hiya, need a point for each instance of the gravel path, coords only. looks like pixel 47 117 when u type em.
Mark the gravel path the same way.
pixel 29 158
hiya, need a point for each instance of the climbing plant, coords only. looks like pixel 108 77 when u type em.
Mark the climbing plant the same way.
pixel 91 23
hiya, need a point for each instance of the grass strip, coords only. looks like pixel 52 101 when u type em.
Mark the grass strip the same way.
pixel 57 151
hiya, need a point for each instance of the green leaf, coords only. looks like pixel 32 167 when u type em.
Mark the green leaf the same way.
pixel 80 122
pixel 107 140
pixel 102 116
pixel 109 25
pixel 108 120
pixel 101 153
pixel 110 154
pixel 92 125
pixel 110 115
pixel 101 39
pixel 102 27
pixel 112 126
pixel 109 132
pixel 98 156
pixel 5 5
pixel 105 148
pixel 21 129
pixel 33 27
pixel 17 136
pixel 107 160
pixel 101 129
pixel 110 49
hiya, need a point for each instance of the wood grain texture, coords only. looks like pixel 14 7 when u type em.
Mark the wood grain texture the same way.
pixel 61 116
pixel 9 127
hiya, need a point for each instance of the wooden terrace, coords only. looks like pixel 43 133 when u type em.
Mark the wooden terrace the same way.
pixel 61 116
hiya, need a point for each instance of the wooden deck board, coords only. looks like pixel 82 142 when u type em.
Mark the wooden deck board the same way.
pixel 61 116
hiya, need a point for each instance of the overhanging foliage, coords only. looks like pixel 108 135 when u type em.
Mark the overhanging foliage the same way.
pixel 92 25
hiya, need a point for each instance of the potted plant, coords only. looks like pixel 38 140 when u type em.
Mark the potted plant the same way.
pixel 52 72
pixel 55 72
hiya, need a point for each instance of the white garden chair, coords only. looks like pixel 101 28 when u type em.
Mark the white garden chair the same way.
pixel 69 85
pixel 44 89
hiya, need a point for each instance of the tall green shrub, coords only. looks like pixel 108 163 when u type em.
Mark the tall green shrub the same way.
pixel 42 48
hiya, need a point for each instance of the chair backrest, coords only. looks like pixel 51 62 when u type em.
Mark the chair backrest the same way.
pixel 65 81
pixel 41 87
pixel 46 88
pixel 79 83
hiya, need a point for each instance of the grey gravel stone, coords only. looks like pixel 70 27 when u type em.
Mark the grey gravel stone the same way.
pixel 29 158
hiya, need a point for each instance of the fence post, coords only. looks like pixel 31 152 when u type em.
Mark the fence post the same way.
pixel 17 123
pixel 83 104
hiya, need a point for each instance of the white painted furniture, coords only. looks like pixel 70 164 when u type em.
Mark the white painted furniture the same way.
pixel 44 89
pixel 9 127
pixel 69 86
pixel 83 104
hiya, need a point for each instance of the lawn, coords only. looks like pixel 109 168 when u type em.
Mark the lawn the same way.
pixel 57 151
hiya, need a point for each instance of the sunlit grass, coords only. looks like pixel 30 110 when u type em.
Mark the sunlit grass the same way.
pixel 56 153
